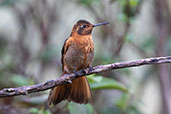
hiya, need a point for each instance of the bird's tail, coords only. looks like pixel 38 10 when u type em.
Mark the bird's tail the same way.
pixel 79 92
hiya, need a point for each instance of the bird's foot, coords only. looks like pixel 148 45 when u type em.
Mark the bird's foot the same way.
pixel 75 72
pixel 90 68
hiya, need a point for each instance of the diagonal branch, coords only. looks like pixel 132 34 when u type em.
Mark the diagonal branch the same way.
pixel 67 78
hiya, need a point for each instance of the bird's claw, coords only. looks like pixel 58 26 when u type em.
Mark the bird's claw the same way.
pixel 90 68
pixel 75 72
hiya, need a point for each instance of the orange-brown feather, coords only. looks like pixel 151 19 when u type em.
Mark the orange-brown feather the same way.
pixel 77 54
pixel 79 91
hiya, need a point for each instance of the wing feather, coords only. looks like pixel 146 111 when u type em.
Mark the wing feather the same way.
pixel 64 50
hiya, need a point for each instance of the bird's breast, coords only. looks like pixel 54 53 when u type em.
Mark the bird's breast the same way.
pixel 79 55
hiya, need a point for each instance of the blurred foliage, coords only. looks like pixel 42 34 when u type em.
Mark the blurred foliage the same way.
pixel 75 108
pixel 48 54
pixel 148 44
pixel 129 37
pixel 129 9
pixel 99 82
pixel 127 105
pixel 39 111
pixel 169 46
pixel 10 2
pixel 88 2
pixel 20 80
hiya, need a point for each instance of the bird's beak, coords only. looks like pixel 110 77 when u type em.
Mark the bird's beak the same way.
pixel 99 24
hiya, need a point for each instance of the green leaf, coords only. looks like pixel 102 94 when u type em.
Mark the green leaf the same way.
pixel 92 78
pixel 75 108
pixel 34 110
pixel 47 112
pixel 99 82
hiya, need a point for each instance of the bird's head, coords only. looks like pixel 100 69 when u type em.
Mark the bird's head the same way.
pixel 83 27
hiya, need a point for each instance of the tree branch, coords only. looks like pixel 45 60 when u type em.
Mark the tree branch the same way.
pixel 67 78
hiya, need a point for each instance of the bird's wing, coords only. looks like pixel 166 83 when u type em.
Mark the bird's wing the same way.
pixel 64 50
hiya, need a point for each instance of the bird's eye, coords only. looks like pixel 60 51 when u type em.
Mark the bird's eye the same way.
pixel 83 26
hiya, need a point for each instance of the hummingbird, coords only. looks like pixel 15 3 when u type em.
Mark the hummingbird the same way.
pixel 77 54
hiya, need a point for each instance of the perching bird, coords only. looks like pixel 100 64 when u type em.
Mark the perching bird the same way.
pixel 77 54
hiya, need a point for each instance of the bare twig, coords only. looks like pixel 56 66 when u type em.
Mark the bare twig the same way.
pixel 67 78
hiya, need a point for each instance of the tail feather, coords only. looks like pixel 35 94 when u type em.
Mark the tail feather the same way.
pixel 59 93
pixel 79 92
